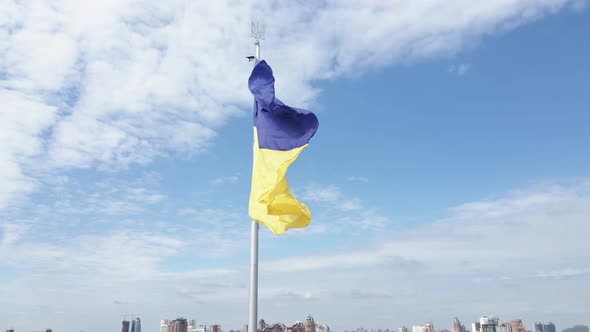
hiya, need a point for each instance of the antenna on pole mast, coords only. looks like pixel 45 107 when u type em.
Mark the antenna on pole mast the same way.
pixel 257 32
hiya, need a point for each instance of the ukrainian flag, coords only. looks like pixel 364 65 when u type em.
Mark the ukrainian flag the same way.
pixel 280 134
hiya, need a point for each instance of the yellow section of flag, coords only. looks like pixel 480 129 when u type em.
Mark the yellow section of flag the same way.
pixel 271 201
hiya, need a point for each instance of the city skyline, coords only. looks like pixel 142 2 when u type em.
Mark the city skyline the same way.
pixel 449 177
pixel 309 325
pixel 181 324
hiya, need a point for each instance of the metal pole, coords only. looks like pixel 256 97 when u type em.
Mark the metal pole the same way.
pixel 253 312
pixel 252 324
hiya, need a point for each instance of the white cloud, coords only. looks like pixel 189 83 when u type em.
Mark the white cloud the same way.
pixel 284 298
pixel 351 205
pixel 232 179
pixel 20 140
pixel 460 69
pixel 113 83
pixel 463 68
pixel 563 273
pixel 112 197
pixel 11 232
pixel 521 229
pixel 580 5
pixel 361 179
pixel 340 212
pixel 322 194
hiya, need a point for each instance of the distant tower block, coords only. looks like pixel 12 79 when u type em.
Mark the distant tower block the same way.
pixel 125 326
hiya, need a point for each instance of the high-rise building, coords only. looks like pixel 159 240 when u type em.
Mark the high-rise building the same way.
pixel 429 327
pixel 137 327
pixel 245 328
pixel 309 324
pixel 540 327
pixel 517 326
pixel 577 328
pixel 178 325
pixel 261 325
pixel 475 326
pixel 297 327
pixel 488 324
pixel 402 329
pixel 125 326
pixel 10 330
pixel 164 325
pixel 418 328
pixel 457 327
pixel 215 328
pixel 549 327
pixel 278 327
pixel 193 327
pixel 503 327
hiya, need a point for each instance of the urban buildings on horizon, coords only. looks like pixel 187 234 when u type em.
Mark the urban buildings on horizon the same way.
pixel 184 325
pixel 486 323
pixel 577 328
pixel 131 326
pixel 540 327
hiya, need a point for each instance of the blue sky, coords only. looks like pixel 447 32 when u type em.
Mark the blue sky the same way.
pixel 449 176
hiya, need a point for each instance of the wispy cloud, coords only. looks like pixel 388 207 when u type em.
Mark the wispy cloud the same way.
pixel 361 179
pixel 342 211
pixel 460 69
pixel 322 194
pixel 286 297
pixel 350 205
pixel 548 213
pixel 232 179
pixel 113 197
pixel 11 232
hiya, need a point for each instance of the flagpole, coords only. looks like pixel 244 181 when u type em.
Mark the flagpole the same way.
pixel 257 33
pixel 253 312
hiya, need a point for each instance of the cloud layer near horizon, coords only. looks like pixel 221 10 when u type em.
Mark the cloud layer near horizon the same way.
pixel 488 255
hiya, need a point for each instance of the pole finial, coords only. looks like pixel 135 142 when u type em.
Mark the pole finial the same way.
pixel 257 31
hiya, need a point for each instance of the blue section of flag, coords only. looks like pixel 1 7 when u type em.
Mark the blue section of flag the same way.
pixel 279 126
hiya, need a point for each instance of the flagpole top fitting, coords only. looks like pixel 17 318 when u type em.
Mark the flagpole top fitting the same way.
pixel 257 32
